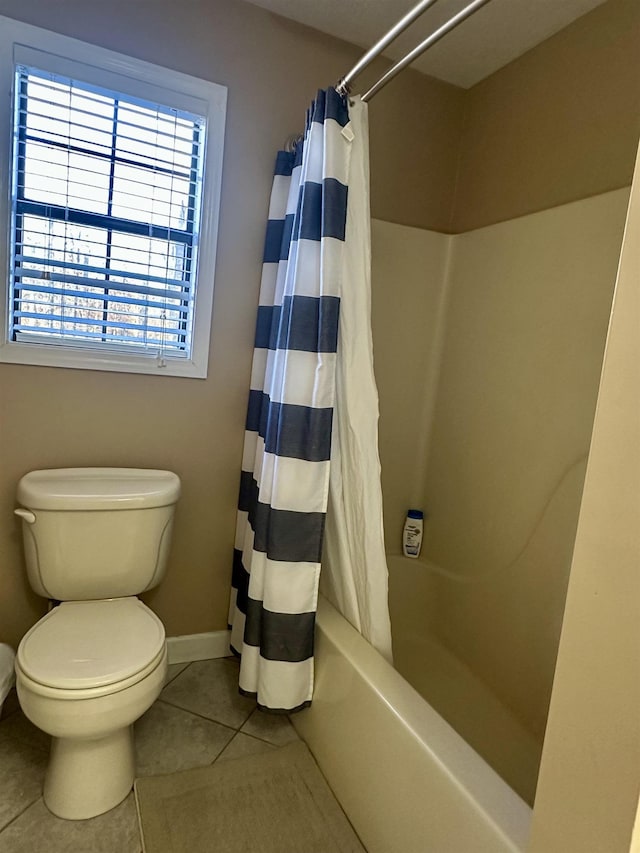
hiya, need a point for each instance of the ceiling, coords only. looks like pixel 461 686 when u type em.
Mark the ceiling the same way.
pixel 494 36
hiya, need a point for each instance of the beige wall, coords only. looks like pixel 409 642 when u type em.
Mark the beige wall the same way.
pixel 590 774
pixel 559 124
pixel 58 417
pixel 568 110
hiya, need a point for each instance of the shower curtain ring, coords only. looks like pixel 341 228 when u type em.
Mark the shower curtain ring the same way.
pixel 292 141
pixel 343 88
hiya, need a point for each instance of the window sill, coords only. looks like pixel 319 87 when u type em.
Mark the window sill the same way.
pixel 42 355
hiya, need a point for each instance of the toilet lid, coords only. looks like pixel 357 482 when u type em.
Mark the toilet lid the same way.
pixel 83 644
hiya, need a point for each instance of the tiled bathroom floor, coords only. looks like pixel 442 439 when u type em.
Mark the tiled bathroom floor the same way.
pixel 198 719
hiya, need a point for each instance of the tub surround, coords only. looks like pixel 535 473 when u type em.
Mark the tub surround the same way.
pixel 409 280
pixel 506 329
pixel 525 330
pixel 589 777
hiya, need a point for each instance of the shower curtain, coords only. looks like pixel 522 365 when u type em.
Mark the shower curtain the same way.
pixel 288 441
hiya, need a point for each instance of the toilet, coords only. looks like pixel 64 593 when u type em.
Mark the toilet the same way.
pixel 94 538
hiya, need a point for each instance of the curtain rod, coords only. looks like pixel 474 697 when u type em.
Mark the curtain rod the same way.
pixel 427 43
pixel 343 86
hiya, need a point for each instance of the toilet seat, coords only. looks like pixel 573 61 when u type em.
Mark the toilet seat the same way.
pixel 91 648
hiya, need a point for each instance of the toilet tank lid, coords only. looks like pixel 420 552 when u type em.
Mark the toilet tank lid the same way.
pixel 98 488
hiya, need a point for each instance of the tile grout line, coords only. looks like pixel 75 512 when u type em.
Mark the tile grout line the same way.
pixel 224 748
pixel 202 716
pixel 225 725
pixel 253 737
pixel 173 677
pixel 15 817
pixel 234 729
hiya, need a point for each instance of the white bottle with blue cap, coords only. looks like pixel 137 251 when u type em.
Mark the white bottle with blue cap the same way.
pixel 412 534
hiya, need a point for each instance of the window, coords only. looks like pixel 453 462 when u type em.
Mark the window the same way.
pixel 113 170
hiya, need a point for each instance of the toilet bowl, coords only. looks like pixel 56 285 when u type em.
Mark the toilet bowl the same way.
pixel 94 538
pixel 84 674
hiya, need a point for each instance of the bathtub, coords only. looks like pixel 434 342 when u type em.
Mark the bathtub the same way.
pixel 407 782
pixel 447 683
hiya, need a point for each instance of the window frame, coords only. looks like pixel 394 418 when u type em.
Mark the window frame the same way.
pixel 23 44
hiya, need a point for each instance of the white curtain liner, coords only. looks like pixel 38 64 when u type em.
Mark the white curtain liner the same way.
pixel 354 569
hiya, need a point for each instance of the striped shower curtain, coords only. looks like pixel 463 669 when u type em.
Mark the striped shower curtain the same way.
pixel 285 468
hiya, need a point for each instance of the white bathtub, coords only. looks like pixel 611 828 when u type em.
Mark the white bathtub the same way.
pixel 456 692
pixel 406 780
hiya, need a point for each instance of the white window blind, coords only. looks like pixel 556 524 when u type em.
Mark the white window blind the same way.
pixel 105 218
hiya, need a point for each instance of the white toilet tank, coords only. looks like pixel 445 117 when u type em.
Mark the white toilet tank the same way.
pixel 93 533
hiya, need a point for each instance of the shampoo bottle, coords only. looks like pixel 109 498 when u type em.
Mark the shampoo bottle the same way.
pixel 412 534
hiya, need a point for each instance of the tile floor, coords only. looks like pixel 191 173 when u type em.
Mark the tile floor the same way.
pixel 198 719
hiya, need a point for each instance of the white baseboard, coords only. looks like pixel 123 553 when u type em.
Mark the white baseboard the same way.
pixel 190 647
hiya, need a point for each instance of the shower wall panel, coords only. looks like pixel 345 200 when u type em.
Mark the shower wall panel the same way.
pixel 408 301
pixel 528 310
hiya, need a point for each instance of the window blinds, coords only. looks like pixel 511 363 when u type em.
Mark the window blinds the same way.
pixel 105 217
